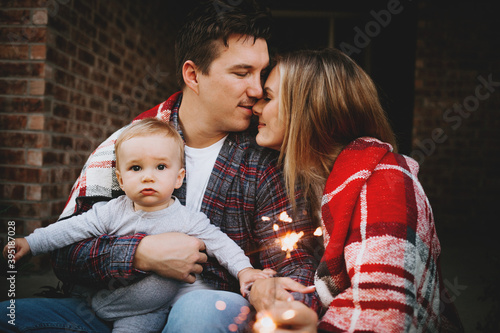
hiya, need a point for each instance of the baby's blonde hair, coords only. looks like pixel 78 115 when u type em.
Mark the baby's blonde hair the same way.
pixel 148 127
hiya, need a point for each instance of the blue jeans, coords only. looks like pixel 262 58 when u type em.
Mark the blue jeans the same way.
pixel 50 315
pixel 209 311
pixel 196 311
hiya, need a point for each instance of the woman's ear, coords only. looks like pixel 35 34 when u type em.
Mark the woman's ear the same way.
pixel 190 75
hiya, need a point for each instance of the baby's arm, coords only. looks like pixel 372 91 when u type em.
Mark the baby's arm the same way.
pixel 247 277
pixel 21 248
pixel 227 252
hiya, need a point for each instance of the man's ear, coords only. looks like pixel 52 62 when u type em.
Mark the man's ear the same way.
pixel 180 178
pixel 190 75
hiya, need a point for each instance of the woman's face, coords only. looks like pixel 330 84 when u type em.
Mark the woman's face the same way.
pixel 271 126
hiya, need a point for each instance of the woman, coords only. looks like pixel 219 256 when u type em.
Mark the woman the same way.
pixel 380 268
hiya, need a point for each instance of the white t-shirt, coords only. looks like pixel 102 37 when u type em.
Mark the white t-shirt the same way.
pixel 199 165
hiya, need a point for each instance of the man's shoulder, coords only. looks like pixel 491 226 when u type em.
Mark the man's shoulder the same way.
pixel 253 153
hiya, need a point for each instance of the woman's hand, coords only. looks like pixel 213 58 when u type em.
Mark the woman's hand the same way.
pixel 290 317
pixel 265 293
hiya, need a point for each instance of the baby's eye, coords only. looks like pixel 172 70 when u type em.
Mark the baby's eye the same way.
pixel 135 168
pixel 161 167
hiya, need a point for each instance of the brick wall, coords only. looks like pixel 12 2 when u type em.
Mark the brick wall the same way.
pixel 456 135
pixel 72 72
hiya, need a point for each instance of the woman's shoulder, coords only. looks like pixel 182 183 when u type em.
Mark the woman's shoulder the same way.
pixel 370 153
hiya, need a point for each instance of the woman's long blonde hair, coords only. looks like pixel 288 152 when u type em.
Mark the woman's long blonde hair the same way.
pixel 326 101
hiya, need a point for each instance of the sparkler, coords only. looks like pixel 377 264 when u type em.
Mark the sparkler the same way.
pixel 264 324
pixel 288 243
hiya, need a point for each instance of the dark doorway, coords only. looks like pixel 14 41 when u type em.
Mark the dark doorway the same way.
pixel 379 35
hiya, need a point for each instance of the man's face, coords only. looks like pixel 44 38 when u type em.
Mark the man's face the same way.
pixel 233 84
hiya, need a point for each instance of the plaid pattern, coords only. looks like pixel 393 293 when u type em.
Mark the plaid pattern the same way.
pixel 244 187
pixel 379 272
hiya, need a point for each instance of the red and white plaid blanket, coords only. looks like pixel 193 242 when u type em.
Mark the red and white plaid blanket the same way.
pixel 97 180
pixel 379 272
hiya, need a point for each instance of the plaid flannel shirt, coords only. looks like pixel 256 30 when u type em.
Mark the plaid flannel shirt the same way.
pixel 244 197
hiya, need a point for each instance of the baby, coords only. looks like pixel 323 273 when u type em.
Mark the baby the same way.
pixel 149 166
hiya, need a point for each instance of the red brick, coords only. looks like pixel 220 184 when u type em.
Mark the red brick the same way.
pixel 27 3
pixel 62 142
pixel 60 93
pixel 36 122
pixel 22 69
pixel 59 59
pixel 14 17
pixel 23 34
pixel 14 52
pixel 52 158
pixel 19 105
pixel 78 99
pixel 80 68
pixel 13 122
pixel 34 158
pixel 12 191
pixel 58 125
pixel 38 52
pixel 13 87
pixel 12 156
pixel 34 192
pixel 40 17
pixel 86 57
pixel 37 87
pixel 24 140
pixel 63 111
pixel 23 174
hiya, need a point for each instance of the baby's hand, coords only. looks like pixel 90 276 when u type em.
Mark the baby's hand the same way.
pixel 20 248
pixel 247 277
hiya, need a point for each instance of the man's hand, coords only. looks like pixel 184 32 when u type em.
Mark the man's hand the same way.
pixel 172 255
pixel 265 293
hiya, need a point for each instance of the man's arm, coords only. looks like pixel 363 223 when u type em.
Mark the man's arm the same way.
pixel 105 261
pixel 112 261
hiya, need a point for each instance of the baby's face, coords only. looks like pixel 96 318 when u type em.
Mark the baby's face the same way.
pixel 149 171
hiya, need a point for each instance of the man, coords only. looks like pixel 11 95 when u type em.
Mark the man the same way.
pixel 221 58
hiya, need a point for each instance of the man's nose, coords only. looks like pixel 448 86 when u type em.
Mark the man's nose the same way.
pixel 255 87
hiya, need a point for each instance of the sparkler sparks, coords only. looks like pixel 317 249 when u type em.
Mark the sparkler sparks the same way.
pixel 264 324
pixel 285 218
pixel 289 242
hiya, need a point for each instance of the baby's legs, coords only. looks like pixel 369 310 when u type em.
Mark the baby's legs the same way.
pixel 146 296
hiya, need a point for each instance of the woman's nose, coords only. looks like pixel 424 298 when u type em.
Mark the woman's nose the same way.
pixel 257 108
